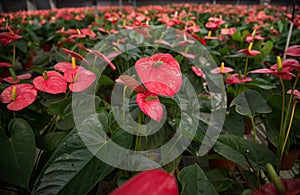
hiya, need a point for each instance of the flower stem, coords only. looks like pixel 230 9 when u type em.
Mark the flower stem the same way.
pixel 289 128
pixel 254 129
pixel 274 178
pixel 252 167
pixel 282 131
pixel 246 66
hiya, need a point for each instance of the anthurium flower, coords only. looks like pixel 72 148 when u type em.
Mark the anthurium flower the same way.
pixel 286 75
pixel 103 57
pixel 293 51
pixel 160 73
pixel 163 42
pixel 75 55
pixel 5 64
pixel 237 78
pixel 228 31
pixel 63 66
pixel 131 83
pixel 222 69
pixel 51 82
pixel 286 65
pixel 149 104
pixel 18 96
pixel 79 78
pixel 188 55
pixel 198 71
pixel 251 37
pixel 8 37
pixel 149 182
pixel 11 80
pixel 296 94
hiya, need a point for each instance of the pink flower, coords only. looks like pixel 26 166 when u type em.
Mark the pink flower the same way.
pixel 103 57
pixel 149 182
pixel 75 55
pixel 5 64
pixel 131 83
pixel 237 78
pixel 198 71
pixel 18 96
pixel 51 82
pixel 222 69
pixel 160 74
pixel 286 75
pixel 19 78
pixel 8 37
pixel 149 104
pixel 293 51
pixel 79 78
pixel 249 52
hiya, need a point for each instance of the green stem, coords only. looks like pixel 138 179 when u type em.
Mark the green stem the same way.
pixel 253 169
pixel 289 128
pixel 123 104
pixel 275 179
pixel 282 130
pixel 254 129
pixel 246 66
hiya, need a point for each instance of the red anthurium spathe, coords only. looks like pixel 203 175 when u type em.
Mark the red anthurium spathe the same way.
pixel 79 78
pixel 222 69
pixel 63 66
pixel 8 37
pixel 293 51
pixel 51 82
pixel 198 71
pixel 286 75
pixel 149 182
pixel 149 103
pixel 11 80
pixel 18 96
pixel 5 64
pixel 160 73
pixel 249 52
pixel 237 78
pixel 291 186
pixel 75 55
pixel 131 83
pixel 103 57
pixel 296 94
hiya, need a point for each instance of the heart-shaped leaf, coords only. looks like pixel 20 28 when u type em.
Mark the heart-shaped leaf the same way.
pixel 234 147
pixel 250 102
pixel 149 182
pixel 160 74
pixel 73 168
pixel 17 154
pixel 194 181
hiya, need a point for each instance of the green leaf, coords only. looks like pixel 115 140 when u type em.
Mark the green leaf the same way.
pixel 58 107
pixel 234 123
pixel 21 45
pixel 193 181
pixel 51 141
pixel 250 102
pixel 261 83
pixel 237 36
pixel 17 154
pixel 220 179
pixel 73 169
pixel 105 80
pixel 233 148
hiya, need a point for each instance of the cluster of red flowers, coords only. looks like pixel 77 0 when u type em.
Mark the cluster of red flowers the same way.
pixel 161 75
